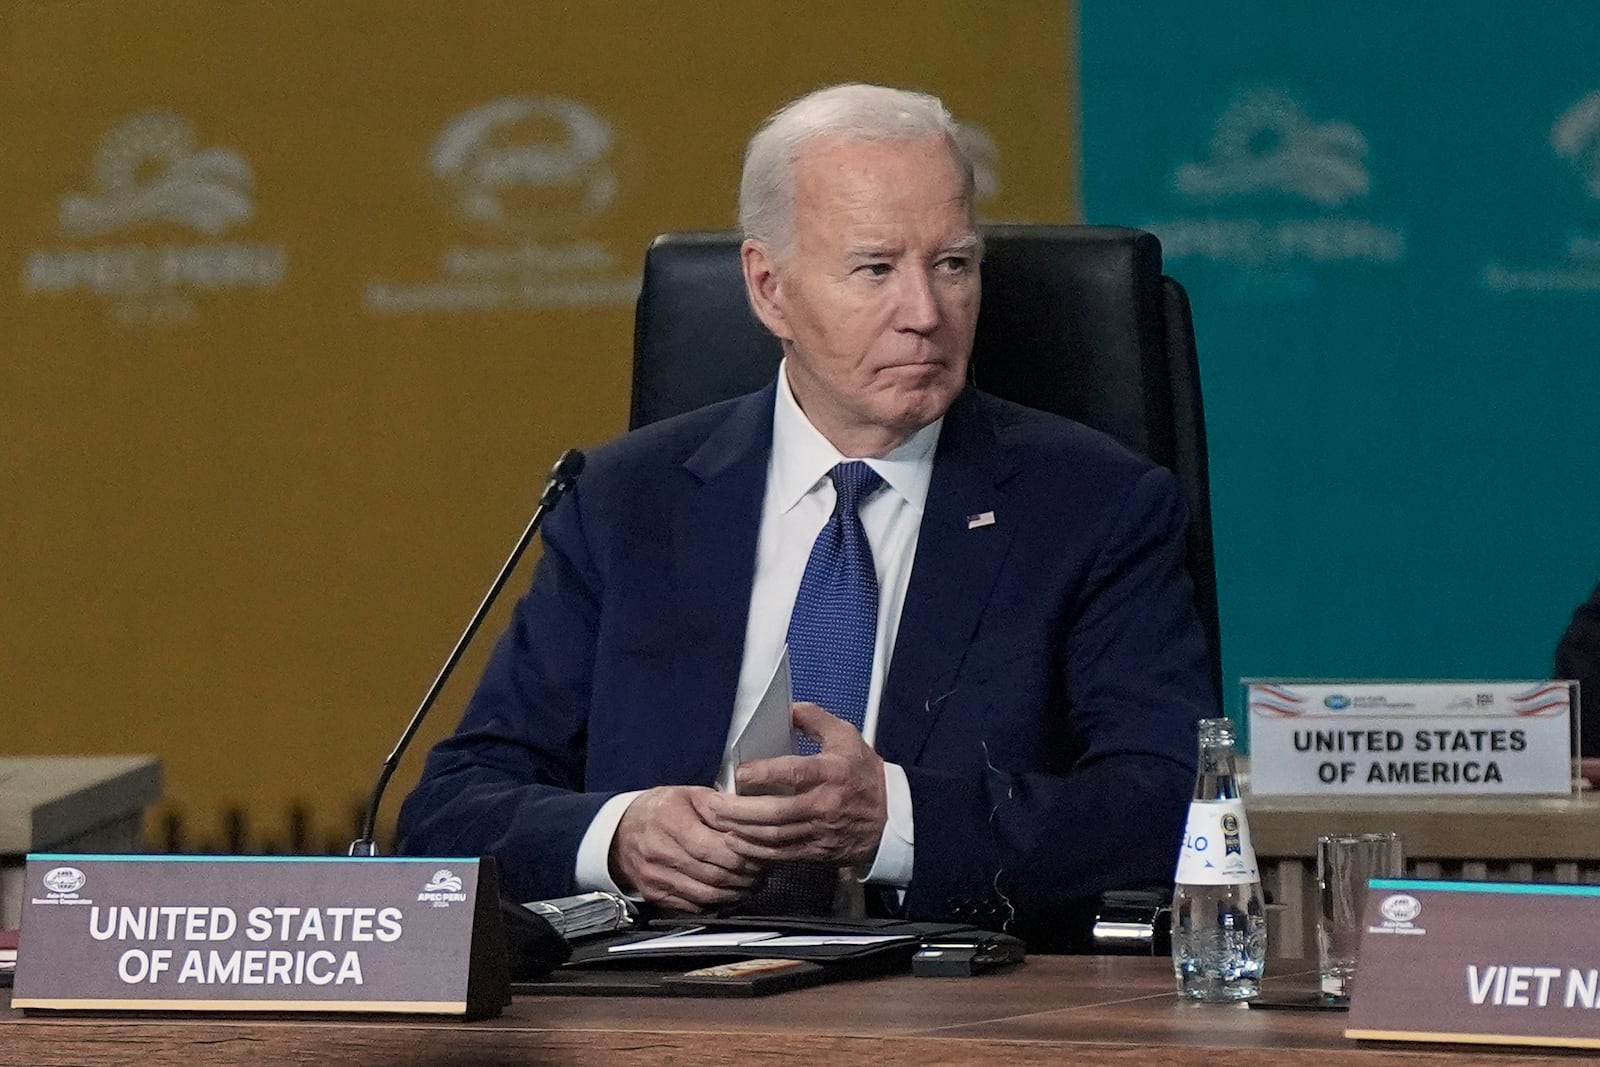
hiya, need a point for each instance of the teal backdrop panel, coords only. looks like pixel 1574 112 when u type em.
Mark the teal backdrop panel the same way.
pixel 1388 219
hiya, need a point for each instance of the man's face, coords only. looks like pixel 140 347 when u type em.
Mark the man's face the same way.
pixel 877 299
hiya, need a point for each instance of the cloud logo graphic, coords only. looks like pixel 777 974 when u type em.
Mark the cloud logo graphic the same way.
pixel 149 170
pixel 1264 143
pixel 527 162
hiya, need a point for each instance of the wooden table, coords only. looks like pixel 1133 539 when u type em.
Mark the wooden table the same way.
pixel 1053 1009
pixel 1509 839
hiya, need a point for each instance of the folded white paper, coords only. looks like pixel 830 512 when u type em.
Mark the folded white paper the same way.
pixel 770 731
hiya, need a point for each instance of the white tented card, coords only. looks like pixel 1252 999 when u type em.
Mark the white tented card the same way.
pixel 1410 738
pixel 1216 845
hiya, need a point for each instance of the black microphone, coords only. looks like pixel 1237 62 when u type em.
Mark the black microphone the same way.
pixel 563 476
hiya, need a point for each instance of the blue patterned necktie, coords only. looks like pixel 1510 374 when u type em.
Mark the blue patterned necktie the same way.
pixel 833 632
pixel 834 626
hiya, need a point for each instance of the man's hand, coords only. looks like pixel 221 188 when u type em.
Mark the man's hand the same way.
pixel 666 851
pixel 838 809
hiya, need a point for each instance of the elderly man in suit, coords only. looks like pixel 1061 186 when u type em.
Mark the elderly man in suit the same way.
pixel 994 647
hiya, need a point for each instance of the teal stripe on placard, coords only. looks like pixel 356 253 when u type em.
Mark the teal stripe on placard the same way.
pixel 1523 888
pixel 62 857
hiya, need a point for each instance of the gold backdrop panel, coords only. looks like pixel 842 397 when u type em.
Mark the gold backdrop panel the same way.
pixel 306 298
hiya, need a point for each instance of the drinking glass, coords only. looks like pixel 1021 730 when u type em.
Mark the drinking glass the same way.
pixel 1344 864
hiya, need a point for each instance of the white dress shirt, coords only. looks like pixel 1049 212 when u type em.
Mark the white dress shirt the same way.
pixel 798 502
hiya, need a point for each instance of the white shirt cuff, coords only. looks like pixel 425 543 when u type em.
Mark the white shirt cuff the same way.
pixel 892 865
pixel 594 851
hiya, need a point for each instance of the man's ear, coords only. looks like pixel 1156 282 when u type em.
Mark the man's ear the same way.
pixel 764 287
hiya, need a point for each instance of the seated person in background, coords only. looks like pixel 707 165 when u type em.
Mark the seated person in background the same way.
pixel 989 604
pixel 1578 656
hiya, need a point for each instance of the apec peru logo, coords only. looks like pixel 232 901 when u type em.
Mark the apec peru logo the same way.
pixel 1575 140
pixel 527 178
pixel 205 189
pixel 442 890
pixel 1276 191
pixel 1264 142
pixel 443 882
pixel 150 171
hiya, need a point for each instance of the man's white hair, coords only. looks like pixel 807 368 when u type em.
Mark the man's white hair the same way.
pixel 851 112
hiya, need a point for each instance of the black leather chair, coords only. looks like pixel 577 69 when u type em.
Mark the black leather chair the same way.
pixel 1077 320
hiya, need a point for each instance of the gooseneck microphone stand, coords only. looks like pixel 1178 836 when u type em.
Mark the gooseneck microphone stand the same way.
pixel 563 476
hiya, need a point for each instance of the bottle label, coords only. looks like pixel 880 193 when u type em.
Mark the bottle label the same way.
pixel 1216 845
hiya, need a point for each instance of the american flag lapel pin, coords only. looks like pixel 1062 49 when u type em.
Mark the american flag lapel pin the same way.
pixel 982 518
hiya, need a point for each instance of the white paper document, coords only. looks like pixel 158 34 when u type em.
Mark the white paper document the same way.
pixel 770 731
pixel 818 940
pixel 693 939
pixel 699 938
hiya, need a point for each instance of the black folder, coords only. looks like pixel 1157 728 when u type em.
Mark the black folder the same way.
pixel 679 967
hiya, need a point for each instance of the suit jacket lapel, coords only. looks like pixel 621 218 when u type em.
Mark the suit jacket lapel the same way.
pixel 951 578
pixel 715 526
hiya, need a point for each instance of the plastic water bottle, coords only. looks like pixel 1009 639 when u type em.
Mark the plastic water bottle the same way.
pixel 1219 931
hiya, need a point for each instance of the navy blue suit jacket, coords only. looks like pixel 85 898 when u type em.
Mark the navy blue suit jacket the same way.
pixel 1041 696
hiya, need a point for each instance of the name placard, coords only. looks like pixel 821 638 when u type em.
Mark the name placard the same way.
pixel 1479 962
pixel 246 933
pixel 1410 738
